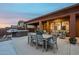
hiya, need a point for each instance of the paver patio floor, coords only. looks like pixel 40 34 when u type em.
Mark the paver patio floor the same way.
pixel 6 48
pixel 19 46
pixel 64 48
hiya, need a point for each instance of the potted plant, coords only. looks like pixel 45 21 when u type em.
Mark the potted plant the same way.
pixel 40 32
pixel 62 34
pixel 72 40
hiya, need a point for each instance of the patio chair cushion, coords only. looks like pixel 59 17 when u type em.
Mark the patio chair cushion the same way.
pixel 39 39
pixel 33 37
pixel 52 40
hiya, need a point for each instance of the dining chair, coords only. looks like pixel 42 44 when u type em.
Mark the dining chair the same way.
pixel 9 37
pixel 33 39
pixel 52 41
pixel 39 41
pixel 62 35
pixel 6 37
pixel 29 38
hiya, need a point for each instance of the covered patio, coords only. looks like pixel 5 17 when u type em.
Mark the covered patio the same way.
pixel 64 19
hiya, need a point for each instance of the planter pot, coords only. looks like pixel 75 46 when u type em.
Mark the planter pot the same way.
pixel 72 40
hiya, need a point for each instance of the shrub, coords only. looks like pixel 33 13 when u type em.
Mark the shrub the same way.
pixel 72 40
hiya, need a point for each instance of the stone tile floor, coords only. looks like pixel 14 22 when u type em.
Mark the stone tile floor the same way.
pixel 6 48
pixel 19 46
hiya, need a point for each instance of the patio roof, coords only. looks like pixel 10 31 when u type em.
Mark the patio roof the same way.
pixel 64 10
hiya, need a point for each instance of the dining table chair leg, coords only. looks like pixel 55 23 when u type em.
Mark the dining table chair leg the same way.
pixel 45 45
pixel 31 43
pixel 28 40
pixel 36 45
pixel 56 45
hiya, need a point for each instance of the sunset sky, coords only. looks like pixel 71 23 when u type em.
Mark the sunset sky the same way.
pixel 10 14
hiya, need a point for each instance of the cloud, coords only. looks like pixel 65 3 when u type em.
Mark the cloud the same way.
pixel 14 17
pixel 11 18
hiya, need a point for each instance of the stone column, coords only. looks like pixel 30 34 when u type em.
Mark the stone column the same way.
pixel 40 25
pixel 48 26
pixel 72 25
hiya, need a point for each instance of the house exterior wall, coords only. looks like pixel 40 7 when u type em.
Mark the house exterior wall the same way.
pixel 56 24
pixel 77 26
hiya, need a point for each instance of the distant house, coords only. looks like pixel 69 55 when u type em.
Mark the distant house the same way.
pixel 21 24
pixel 14 26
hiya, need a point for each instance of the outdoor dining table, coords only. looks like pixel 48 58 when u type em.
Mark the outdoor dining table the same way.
pixel 45 36
pixel 45 39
